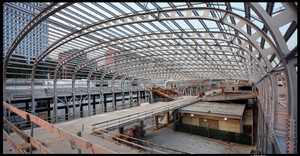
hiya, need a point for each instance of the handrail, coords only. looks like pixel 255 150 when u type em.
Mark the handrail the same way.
pixel 27 138
pixel 13 144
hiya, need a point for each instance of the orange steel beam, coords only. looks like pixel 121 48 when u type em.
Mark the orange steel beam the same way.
pixel 161 94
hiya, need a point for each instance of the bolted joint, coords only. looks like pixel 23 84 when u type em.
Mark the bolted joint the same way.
pixel 221 20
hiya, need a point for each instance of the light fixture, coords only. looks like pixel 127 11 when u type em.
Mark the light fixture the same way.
pixel 205 120
pixel 192 114
pixel 225 118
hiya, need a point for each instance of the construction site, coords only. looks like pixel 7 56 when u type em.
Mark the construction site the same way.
pixel 152 78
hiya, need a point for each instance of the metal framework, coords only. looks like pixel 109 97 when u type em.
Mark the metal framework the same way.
pixel 178 42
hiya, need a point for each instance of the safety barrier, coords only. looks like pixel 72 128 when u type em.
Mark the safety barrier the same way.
pixel 215 134
pixel 77 141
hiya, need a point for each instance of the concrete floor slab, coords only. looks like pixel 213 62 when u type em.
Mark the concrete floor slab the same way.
pixel 193 143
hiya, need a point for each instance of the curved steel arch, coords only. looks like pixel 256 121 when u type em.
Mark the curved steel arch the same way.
pixel 108 45
pixel 48 11
pixel 73 83
pixel 109 23
pixel 229 24
pixel 223 21
pixel 64 61
pixel 273 24
pixel 206 13
pixel 116 74
pixel 169 48
pixel 82 65
pixel 261 65
pixel 137 39
pixel 99 59
pixel 99 68
pixel 55 76
pixel 130 60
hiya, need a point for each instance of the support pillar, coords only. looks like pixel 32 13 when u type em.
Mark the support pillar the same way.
pixel 130 93
pixel 241 125
pixel 94 105
pixel 174 119
pixel 168 117
pixel 121 130
pixel 156 122
pixel 88 93
pixel 122 91
pixel 81 110
pixel 115 102
pixel 49 110
pixel 27 106
pixel 139 93
pixel 101 92
pixel 114 105
pixel 66 112
pixel 104 103
pixel 141 123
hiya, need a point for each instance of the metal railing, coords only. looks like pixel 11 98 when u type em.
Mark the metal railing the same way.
pixel 132 118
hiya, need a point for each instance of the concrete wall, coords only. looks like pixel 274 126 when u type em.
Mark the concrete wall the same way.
pixel 232 125
pixel 230 88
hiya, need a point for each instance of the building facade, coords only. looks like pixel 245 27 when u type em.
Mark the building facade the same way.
pixel 15 16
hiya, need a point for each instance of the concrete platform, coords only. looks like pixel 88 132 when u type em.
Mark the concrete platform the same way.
pixel 57 145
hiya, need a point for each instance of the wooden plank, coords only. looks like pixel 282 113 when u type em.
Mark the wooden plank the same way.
pixel 25 146
pixel 11 142
pixel 77 141
pixel 16 130
pixel 41 148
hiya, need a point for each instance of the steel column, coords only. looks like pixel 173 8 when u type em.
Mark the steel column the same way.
pixel 273 24
pixel 122 90
pixel 112 91
pixel 138 92
pixel 101 90
pixel 130 92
